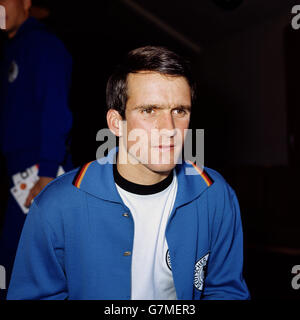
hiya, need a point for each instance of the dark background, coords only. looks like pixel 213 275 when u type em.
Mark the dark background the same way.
pixel 246 59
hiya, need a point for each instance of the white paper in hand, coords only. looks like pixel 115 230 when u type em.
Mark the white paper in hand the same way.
pixel 23 182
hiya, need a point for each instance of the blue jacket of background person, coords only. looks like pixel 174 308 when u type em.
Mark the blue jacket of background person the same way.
pixel 75 236
pixel 34 116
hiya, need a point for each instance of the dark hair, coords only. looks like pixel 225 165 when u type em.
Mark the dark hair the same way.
pixel 149 58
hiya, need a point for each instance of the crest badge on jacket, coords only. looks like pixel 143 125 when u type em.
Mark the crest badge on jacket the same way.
pixel 200 272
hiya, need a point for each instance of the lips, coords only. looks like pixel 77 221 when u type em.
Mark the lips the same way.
pixel 164 146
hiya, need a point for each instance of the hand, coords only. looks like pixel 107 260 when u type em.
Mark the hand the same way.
pixel 36 189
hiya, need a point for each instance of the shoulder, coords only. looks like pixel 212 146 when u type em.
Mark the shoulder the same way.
pixel 207 177
pixel 60 192
pixel 45 42
pixel 222 202
pixel 218 192
pixel 220 184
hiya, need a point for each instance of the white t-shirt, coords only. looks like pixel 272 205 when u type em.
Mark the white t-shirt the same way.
pixel 151 275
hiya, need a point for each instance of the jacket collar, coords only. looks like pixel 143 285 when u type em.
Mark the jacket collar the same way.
pixel 192 181
pixel 96 178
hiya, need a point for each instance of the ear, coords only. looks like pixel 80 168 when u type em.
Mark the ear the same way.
pixel 114 122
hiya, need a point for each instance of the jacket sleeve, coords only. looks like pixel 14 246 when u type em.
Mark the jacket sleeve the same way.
pixel 225 279
pixel 54 70
pixel 38 272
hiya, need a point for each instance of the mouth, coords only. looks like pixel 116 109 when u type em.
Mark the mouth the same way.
pixel 165 147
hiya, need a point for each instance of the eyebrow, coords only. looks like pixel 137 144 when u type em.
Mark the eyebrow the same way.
pixel 158 106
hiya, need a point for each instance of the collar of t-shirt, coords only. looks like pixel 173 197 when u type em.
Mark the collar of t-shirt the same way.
pixel 139 188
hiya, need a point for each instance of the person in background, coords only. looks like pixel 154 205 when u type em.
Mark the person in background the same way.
pixel 35 120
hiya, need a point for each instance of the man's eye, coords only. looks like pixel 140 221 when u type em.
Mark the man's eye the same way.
pixel 180 111
pixel 148 110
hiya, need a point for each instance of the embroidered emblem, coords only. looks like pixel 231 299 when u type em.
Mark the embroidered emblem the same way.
pixel 13 72
pixel 168 259
pixel 200 272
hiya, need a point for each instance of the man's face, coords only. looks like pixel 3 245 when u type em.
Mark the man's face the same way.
pixel 16 13
pixel 157 112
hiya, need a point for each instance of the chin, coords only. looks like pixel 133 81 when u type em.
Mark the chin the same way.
pixel 161 168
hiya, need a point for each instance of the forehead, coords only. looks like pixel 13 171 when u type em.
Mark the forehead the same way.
pixel 155 88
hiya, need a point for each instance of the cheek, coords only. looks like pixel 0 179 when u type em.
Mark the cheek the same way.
pixel 182 128
pixel 10 21
pixel 182 124
pixel 138 132
pixel 142 124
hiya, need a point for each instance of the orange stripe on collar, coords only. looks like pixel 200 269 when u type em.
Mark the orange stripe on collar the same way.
pixel 203 174
pixel 81 174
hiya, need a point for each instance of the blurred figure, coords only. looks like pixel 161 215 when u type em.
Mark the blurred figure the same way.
pixel 35 77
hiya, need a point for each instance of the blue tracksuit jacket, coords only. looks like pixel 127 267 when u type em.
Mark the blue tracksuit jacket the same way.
pixel 75 236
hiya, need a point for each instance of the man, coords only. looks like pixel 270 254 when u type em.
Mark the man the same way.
pixel 34 117
pixel 138 227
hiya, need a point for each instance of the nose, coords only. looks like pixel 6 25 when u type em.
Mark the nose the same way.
pixel 167 125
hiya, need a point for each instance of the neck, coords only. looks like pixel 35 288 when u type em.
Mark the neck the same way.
pixel 140 174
